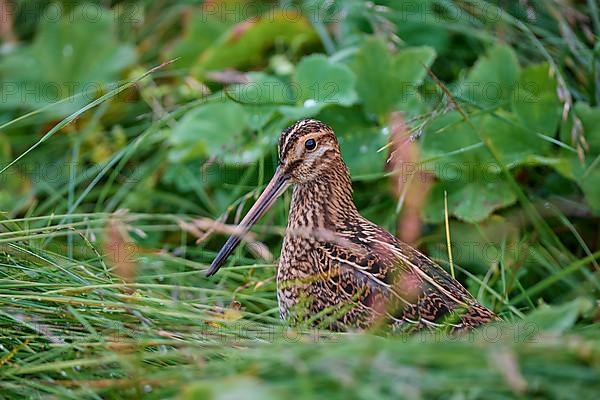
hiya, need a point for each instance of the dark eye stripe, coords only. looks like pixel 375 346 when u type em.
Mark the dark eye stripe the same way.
pixel 293 166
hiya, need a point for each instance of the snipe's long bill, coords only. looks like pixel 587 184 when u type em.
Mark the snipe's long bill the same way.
pixel 338 269
pixel 278 184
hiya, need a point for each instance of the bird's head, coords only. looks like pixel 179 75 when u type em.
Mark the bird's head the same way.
pixel 307 150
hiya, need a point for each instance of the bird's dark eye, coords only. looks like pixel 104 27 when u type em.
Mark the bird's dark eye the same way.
pixel 310 144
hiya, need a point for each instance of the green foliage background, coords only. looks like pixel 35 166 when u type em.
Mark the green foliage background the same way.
pixel 501 98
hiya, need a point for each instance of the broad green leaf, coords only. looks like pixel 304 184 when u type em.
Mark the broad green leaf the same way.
pixel 359 139
pixel 321 82
pixel 493 78
pixel 74 55
pixel 245 44
pixel 535 100
pixel 516 145
pixel 559 318
pixel 202 29
pixel 372 66
pixel 418 26
pixel 318 82
pixel 477 247
pixel 262 97
pixel 263 89
pixel 472 199
pixel 294 113
pixel 383 80
pixel 454 152
pixel 451 148
pixel 212 129
pixel 409 65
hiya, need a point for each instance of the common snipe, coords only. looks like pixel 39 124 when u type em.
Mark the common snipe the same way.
pixel 338 268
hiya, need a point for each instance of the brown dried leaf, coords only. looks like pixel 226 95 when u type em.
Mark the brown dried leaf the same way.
pixel 6 27
pixel 506 363
pixel 228 76
pixel 120 250
pixel 410 182
pixel 202 228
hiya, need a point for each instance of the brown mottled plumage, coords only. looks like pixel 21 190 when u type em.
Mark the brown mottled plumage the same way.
pixel 337 268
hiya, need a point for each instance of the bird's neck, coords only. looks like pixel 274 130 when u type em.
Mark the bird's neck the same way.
pixel 325 202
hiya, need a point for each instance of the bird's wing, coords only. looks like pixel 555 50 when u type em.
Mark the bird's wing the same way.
pixel 395 279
